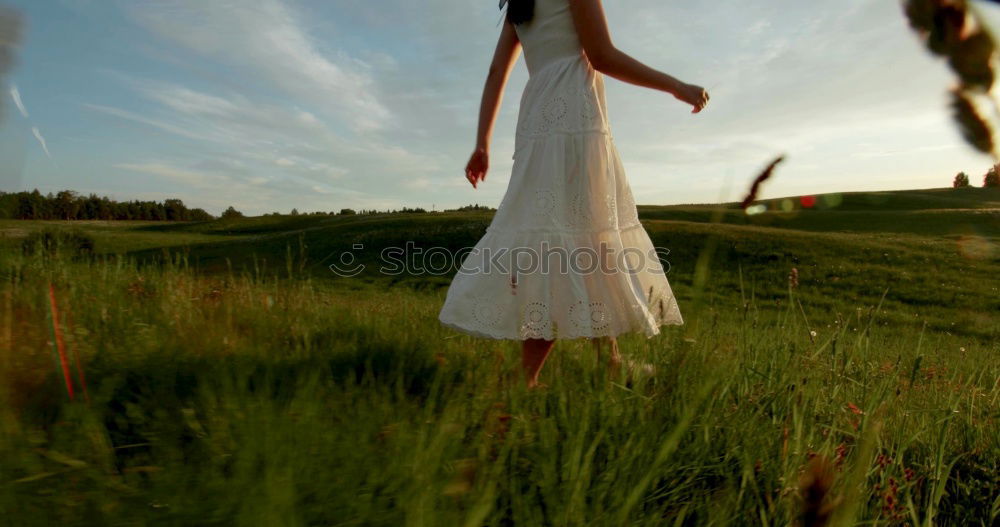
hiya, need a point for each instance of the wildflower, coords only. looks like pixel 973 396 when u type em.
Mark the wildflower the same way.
pixel 793 278
pixel 890 503
pixel 841 453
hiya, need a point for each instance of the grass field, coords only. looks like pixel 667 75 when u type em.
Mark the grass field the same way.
pixel 233 379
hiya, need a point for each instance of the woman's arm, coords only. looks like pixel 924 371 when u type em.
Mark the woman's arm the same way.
pixel 506 53
pixel 592 28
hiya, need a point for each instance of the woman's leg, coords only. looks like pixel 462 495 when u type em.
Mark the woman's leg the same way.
pixel 533 355
pixel 615 358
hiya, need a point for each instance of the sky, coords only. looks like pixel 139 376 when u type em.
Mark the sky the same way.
pixel 269 105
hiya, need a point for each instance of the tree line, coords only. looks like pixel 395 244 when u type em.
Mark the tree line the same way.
pixel 69 205
pixel 990 179
pixel 232 213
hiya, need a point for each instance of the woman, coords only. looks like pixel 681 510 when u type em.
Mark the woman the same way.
pixel 567 199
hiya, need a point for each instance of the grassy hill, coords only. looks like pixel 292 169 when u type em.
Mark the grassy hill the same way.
pixel 937 212
pixel 234 379
pixel 934 260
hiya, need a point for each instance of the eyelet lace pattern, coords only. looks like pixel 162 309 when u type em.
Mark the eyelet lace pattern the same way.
pixel 576 112
pixel 487 311
pixel 545 202
pixel 589 317
pixel 537 321
pixel 580 214
pixel 628 213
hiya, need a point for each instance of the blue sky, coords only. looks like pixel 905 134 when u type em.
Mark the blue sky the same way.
pixel 273 104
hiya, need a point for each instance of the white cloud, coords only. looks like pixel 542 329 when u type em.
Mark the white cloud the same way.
pixel 41 141
pixel 131 116
pixel 178 175
pixel 419 183
pixel 15 94
pixel 267 132
pixel 217 185
pixel 267 39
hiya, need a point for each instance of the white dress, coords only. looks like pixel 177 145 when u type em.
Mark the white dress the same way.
pixel 569 204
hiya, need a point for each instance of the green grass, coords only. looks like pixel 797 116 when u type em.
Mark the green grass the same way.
pixel 234 381
pixel 967 212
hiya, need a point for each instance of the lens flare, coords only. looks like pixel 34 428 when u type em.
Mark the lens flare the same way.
pixel 832 200
pixel 975 247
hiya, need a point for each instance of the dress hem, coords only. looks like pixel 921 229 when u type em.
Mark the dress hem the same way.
pixel 498 336
pixel 571 232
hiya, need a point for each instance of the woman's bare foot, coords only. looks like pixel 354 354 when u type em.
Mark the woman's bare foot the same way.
pixel 535 385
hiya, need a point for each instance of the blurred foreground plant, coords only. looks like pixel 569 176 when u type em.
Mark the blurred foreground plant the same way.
pixel 10 36
pixel 957 31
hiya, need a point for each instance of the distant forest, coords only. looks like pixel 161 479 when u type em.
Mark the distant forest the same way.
pixel 68 205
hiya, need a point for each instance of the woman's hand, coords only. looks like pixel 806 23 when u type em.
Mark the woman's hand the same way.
pixel 694 95
pixel 479 163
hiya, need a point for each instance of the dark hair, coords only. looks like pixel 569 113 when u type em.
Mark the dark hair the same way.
pixel 520 11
